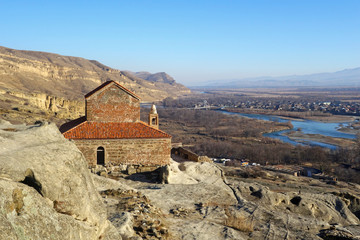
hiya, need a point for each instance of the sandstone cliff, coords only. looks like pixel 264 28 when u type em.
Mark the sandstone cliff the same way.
pixel 24 107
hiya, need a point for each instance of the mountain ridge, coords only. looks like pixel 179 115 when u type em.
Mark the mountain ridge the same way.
pixel 346 77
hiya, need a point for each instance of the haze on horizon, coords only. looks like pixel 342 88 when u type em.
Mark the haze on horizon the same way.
pixel 193 41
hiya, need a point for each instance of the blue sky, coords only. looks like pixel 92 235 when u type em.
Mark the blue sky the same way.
pixel 193 41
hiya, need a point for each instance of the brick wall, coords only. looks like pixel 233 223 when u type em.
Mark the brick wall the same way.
pixel 112 105
pixel 147 152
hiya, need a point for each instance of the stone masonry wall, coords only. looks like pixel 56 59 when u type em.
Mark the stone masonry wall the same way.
pixel 147 152
pixel 185 153
pixel 112 105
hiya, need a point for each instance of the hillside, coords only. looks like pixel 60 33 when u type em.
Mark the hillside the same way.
pixel 72 77
pixel 46 86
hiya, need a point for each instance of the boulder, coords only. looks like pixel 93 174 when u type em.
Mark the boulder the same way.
pixel 202 172
pixel 172 174
pixel 47 190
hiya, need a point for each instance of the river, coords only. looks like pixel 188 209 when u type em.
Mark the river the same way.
pixel 306 126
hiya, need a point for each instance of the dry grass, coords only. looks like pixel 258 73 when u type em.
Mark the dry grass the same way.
pixel 10 129
pixel 238 222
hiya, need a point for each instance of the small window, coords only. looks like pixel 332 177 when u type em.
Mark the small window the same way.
pixel 100 156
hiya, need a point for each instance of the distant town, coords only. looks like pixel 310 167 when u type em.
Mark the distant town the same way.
pixel 335 107
pixel 279 104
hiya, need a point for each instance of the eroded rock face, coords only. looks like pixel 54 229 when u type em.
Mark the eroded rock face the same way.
pixel 193 202
pixel 202 203
pixel 46 188
pixel 294 214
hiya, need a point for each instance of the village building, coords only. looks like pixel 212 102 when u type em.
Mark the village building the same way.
pixel 111 132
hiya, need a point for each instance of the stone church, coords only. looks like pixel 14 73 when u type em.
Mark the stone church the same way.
pixel 111 131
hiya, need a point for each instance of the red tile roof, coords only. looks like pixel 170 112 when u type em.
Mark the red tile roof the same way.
pixel 82 129
pixel 107 83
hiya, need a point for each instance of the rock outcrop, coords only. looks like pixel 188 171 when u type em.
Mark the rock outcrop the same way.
pixel 46 189
pixel 194 207
pixel 201 202
pixel 22 107
pixel 289 213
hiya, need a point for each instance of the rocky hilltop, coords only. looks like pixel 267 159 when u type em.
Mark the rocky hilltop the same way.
pixel 48 193
pixel 160 77
pixel 40 85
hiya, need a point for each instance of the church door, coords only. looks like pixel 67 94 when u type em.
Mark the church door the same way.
pixel 100 156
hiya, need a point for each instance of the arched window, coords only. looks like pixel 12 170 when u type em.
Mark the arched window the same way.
pixel 100 156
pixel 153 121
